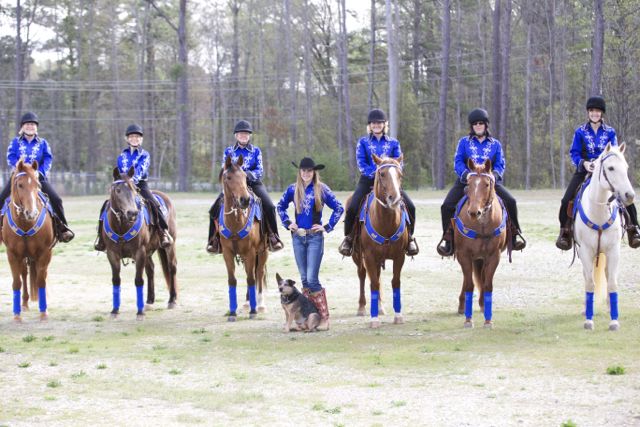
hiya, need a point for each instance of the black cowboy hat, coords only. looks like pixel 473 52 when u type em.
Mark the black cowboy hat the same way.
pixel 308 163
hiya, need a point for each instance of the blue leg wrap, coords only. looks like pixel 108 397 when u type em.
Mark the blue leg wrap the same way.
pixel 16 302
pixel 375 300
pixel 468 304
pixel 613 302
pixel 589 306
pixel 487 305
pixel 397 303
pixel 233 299
pixel 116 297
pixel 140 297
pixel 252 297
pixel 42 300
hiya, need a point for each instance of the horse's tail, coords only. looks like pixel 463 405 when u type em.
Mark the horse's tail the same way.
pixel 166 267
pixel 600 277
pixel 478 266
pixel 33 286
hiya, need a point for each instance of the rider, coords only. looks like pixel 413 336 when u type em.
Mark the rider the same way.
pixel 379 143
pixel 479 145
pixel 252 165
pixel 30 146
pixel 589 140
pixel 136 156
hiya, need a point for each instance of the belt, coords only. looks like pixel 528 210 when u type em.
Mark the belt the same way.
pixel 304 232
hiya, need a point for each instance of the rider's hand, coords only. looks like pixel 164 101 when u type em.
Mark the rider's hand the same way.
pixel 589 166
pixel 293 227
pixel 317 228
pixel 251 177
pixel 497 176
pixel 463 177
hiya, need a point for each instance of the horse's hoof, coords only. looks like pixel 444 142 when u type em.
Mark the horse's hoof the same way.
pixel 44 317
pixel 374 324
pixel 614 325
pixel 245 306
pixel 588 325
pixel 231 318
pixel 461 311
pixel 398 320
pixel 468 324
pixel 148 306
pixel 171 305
pixel 262 309
pixel 253 315
pixel 382 310
pixel 17 319
pixel 25 307
pixel 488 324
pixel 140 317
pixel 360 312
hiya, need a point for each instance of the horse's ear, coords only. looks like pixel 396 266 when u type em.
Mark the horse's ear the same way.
pixel 471 164
pixel 240 160
pixel 34 165
pixel 227 162
pixel 487 165
pixel 622 147
pixel 607 148
pixel 20 164
pixel 116 174
pixel 377 160
pixel 131 172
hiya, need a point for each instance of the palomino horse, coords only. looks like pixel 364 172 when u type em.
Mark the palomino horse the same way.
pixel 383 235
pixel 599 230
pixel 27 231
pixel 480 235
pixel 242 237
pixel 127 234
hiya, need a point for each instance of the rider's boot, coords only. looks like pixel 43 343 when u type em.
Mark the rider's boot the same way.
pixel 445 248
pixel 346 247
pixel 565 239
pixel 634 236
pixel 275 244
pixel 412 247
pixel 99 244
pixel 213 245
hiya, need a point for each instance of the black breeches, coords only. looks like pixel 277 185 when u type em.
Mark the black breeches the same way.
pixel 448 208
pixel 576 180
pixel 153 204
pixel 633 213
pixel 412 211
pixel 268 208
pixel 213 215
pixel 6 192
pixel 362 189
pixel 54 199
pixel 510 204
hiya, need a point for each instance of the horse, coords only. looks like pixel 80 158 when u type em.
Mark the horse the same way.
pixel 127 233
pixel 480 236
pixel 241 237
pixel 599 230
pixel 383 235
pixel 28 233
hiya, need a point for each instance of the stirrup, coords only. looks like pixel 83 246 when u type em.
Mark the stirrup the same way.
pixel 99 244
pixel 213 245
pixel 275 244
pixel 564 241
pixel 445 250
pixel 518 244
pixel 66 235
pixel 346 247
pixel 412 251
pixel 634 236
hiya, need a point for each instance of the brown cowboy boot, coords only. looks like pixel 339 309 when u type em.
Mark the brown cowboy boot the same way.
pixel 412 247
pixel 275 244
pixel 65 235
pixel 319 299
pixel 445 248
pixel 346 247
pixel 565 239
pixel 214 246
pixel 634 236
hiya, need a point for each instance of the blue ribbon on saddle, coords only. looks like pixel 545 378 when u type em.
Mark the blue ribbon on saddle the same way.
pixel 472 234
pixel 254 213
pixel 375 236
pixel 39 222
pixel 132 233
pixel 577 207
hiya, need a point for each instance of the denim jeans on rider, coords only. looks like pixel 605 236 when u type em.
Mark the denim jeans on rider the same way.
pixel 308 251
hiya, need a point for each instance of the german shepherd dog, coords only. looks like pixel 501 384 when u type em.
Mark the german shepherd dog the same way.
pixel 297 307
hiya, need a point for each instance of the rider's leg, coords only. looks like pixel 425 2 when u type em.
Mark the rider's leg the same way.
pixel 633 231
pixel 362 189
pixel 565 239
pixel 412 246
pixel 163 228
pixel 447 210
pixel 64 234
pixel 269 210
pixel 213 240
pixel 6 192
pixel 517 241
pixel 99 245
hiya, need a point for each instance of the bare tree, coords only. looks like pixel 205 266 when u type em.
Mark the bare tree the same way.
pixel 293 74
pixel 505 78
pixel 598 47
pixel 344 48
pixel 19 66
pixel 527 98
pixel 551 28
pixel 392 55
pixel 497 67
pixel 444 87
pixel 372 56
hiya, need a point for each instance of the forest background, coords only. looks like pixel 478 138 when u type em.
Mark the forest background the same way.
pixel 305 73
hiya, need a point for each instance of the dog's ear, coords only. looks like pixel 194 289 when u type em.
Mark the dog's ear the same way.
pixel 292 283
pixel 278 278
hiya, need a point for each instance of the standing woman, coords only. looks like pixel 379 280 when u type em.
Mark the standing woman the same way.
pixel 479 145
pixel 589 140
pixel 309 195
pixel 252 165
pixel 30 146
pixel 379 143
pixel 137 157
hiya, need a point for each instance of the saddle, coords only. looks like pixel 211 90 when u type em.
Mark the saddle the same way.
pixel 256 214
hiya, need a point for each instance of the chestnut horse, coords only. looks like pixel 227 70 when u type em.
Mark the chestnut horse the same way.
pixel 27 231
pixel 382 235
pixel 127 234
pixel 480 235
pixel 241 236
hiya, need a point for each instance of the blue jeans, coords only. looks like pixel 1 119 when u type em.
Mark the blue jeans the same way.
pixel 308 251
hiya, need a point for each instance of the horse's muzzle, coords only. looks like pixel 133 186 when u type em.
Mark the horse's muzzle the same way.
pixel 474 213
pixel 132 215
pixel 31 215
pixel 243 202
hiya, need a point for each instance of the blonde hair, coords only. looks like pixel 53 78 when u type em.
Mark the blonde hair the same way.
pixel 299 195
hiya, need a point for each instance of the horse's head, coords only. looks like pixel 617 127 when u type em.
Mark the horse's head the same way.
pixel 24 189
pixel 388 181
pixel 234 183
pixel 611 173
pixel 480 188
pixel 123 195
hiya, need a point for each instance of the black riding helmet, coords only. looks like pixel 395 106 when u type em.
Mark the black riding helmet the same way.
pixel 243 126
pixel 134 128
pixel 478 115
pixel 597 102
pixel 376 115
pixel 29 117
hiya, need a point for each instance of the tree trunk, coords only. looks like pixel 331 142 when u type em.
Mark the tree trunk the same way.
pixel 372 59
pixel 483 48
pixel 598 48
pixel 293 75
pixel 505 77
pixel 497 68
pixel 527 101
pixel 19 65
pixel 393 70
pixel 184 160
pixel 551 9
pixel 345 89
pixel 444 86
pixel 308 74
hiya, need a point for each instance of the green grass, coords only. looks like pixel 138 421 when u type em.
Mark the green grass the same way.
pixel 615 370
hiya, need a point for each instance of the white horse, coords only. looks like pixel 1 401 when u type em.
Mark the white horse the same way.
pixel 598 229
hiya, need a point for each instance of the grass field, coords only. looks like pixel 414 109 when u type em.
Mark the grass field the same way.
pixel 538 366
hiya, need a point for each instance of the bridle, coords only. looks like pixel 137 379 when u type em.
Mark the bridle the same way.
pixel 19 208
pixel 117 211
pixel 235 207
pixel 380 167
pixel 492 181
pixel 603 172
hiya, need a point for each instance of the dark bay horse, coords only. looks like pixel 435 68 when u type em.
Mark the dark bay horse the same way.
pixel 27 231
pixel 241 236
pixel 382 235
pixel 127 234
pixel 480 235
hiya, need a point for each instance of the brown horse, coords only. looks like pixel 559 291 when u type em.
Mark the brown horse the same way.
pixel 480 235
pixel 27 231
pixel 241 236
pixel 127 234
pixel 383 235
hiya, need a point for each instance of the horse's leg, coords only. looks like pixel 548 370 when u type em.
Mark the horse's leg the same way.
pixel 114 261
pixel 250 269
pixel 41 267
pixel 373 270
pixel 466 264
pixel 395 285
pixel 362 276
pixel 26 279
pixel 141 261
pixel 586 256
pixel 261 280
pixel 488 271
pixel 231 278
pixel 149 268
pixel 17 268
pixel 613 258
pixel 169 263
